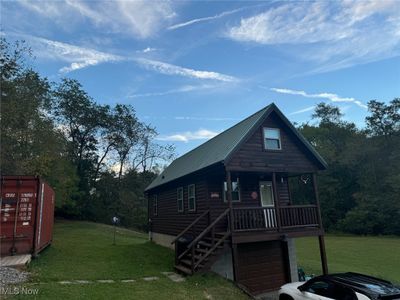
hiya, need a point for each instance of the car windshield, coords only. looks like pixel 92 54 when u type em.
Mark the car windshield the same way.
pixel 370 284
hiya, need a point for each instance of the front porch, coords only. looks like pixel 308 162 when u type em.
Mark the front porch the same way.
pixel 274 215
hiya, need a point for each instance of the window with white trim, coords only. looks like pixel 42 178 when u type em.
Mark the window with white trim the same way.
pixel 179 198
pixel 272 139
pixel 155 205
pixel 235 191
pixel 191 198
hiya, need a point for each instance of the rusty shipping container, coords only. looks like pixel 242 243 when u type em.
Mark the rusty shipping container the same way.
pixel 26 216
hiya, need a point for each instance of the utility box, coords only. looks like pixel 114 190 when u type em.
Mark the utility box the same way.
pixel 26 216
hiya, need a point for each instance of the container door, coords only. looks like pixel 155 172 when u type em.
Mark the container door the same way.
pixel 17 216
pixel 267 202
pixel 45 217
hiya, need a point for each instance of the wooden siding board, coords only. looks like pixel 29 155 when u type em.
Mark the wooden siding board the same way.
pixel 169 220
pixel 293 156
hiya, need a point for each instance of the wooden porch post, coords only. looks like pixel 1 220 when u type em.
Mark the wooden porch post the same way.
pixel 322 252
pixel 229 198
pixel 314 180
pixel 321 238
pixel 231 223
pixel 276 200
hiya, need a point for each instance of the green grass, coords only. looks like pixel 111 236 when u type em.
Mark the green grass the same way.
pixel 84 251
pixel 376 256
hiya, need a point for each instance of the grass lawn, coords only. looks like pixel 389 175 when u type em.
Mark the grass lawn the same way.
pixel 84 251
pixel 376 256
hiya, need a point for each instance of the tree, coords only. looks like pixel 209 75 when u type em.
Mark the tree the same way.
pixel 327 113
pixel 128 132
pixel 148 153
pixel 384 119
pixel 30 141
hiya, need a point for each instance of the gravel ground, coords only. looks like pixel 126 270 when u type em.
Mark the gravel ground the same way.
pixel 12 276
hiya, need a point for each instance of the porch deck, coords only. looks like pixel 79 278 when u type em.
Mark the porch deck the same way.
pixel 252 224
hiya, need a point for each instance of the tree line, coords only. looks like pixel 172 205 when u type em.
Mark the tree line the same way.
pixel 360 190
pixel 100 158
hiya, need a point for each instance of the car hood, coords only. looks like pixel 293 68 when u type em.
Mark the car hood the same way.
pixel 293 285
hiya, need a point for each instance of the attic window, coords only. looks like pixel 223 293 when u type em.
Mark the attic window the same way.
pixel 272 139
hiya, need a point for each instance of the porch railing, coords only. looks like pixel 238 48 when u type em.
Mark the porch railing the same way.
pixel 265 218
pixel 299 216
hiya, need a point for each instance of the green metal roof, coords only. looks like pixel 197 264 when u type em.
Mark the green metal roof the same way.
pixel 220 147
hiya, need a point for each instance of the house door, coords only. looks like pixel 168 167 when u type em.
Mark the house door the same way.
pixel 267 202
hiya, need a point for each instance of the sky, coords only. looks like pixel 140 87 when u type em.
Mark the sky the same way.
pixel 194 68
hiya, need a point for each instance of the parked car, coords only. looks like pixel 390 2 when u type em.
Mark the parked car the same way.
pixel 343 286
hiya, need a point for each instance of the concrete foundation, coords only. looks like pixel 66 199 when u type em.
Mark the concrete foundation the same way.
pixel 223 266
pixel 294 276
pixel 162 239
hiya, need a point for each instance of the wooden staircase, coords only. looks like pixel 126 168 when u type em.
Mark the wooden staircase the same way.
pixel 204 249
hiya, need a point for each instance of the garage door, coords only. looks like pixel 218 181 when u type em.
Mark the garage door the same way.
pixel 261 266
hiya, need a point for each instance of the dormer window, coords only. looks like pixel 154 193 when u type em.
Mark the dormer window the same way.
pixel 272 139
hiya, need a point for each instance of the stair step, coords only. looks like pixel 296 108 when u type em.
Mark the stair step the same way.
pixel 198 257
pixel 216 240
pixel 183 269
pixel 209 245
pixel 201 250
pixel 205 244
pixel 220 233
pixel 186 262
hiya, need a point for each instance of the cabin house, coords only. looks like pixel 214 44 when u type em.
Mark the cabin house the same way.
pixel 226 206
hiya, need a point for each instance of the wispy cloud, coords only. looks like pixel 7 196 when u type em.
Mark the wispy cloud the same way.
pixel 139 18
pixel 147 50
pixel 201 134
pixel 328 96
pixel 310 108
pixel 199 20
pixel 169 69
pixel 333 34
pixel 190 118
pixel 82 57
pixel 78 57
pixel 182 89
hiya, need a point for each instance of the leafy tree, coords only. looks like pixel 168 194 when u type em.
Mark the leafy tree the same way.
pixel 30 142
pixel 384 119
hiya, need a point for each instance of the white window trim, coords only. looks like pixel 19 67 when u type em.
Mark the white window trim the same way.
pixel 155 205
pixel 179 198
pixel 194 197
pixel 225 192
pixel 264 139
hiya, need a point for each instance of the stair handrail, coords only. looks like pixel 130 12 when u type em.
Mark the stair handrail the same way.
pixel 201 235
pixel 190 226
pixel 211 250
pixel 205 231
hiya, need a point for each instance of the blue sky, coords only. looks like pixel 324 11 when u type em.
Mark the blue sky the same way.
pixel 193 69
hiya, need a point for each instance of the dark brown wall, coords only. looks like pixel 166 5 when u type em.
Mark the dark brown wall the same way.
pixel 169 220
pixel 293 157
pixel 249 183
pixel 262 266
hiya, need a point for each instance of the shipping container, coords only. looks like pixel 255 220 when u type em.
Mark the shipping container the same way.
pixel 27 215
